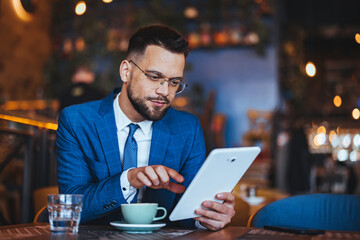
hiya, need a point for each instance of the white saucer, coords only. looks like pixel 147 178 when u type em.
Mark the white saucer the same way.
pixel 137 228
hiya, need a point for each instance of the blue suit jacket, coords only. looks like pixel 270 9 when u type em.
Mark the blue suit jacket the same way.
pixel 89 159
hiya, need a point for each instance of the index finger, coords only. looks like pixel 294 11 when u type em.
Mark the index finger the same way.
pixel 175 175
pixel 226 196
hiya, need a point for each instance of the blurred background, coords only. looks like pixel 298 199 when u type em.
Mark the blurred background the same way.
pixel 282 75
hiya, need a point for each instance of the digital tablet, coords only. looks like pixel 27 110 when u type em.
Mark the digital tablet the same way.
pixel 220 172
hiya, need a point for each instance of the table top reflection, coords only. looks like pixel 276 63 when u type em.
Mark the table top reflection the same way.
pixel 42 231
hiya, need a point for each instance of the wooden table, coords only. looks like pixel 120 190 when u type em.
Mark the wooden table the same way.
pixel 42 232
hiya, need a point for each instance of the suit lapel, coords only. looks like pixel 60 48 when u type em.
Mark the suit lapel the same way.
pixel 159 143
pixel 107 132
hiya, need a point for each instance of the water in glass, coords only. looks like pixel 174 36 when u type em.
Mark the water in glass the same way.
pixel 64 212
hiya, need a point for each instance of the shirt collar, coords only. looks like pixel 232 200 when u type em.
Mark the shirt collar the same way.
pixel 123 121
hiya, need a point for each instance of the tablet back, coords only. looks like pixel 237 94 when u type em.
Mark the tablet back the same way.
pixel 220 172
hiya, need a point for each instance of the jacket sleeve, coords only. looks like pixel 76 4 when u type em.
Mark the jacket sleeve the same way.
pixel 192 164
pixel 100 196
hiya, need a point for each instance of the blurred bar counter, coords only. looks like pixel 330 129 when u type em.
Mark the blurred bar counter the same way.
pixel 31 119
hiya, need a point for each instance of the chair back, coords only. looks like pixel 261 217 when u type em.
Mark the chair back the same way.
pixel 41 194
pixel 337 212
pixel 242 210
pixel 42 215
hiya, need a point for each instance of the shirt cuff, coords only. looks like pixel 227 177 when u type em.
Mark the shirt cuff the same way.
pixel 198 225
pixel 128 191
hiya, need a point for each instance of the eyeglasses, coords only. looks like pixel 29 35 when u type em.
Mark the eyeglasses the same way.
pixel 176 85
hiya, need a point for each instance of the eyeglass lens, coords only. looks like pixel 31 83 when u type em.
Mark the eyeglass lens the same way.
pixel 176 87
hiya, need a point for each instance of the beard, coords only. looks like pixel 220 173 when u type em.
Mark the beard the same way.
pixel 140 106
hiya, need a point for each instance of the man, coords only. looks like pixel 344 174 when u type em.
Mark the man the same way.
pixel 92 138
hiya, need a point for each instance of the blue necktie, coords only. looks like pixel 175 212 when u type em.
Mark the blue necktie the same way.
pixel 130 149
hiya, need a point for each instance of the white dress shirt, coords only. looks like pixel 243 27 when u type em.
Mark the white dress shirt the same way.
pixel 143 138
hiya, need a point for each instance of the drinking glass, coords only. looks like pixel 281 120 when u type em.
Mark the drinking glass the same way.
pixel 64 212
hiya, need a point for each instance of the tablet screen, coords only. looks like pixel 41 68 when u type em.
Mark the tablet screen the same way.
pixel 220 172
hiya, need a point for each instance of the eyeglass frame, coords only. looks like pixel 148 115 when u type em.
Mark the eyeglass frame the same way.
pixel 161 79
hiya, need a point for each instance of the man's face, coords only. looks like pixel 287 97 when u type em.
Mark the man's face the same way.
pixel 149 100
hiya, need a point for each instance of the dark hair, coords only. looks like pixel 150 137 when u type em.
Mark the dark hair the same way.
pixel 157 35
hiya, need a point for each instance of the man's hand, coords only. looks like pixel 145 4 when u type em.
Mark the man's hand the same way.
pixel 156 176
pixel 217 215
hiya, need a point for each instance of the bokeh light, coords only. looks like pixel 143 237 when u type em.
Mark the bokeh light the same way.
pixel 357 38
pixel 310 69
pixel 191 12
pixel 346 141
pixel 321 129
pixel 353 156
pixel 80 8
pixel 356 113
pixel 334 139
pixel 20 12
pixel 356 140
pixel 319 139
pixel 342 155
pixel 337 101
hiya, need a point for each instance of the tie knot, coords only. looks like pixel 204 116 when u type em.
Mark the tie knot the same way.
pixel 133 128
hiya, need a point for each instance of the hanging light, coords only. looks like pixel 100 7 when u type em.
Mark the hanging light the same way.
pixel 80 8
pixel 20 11
pixel 107 1
pixel 310 69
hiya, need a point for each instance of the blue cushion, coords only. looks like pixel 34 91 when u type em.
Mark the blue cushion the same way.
pixel 338 212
